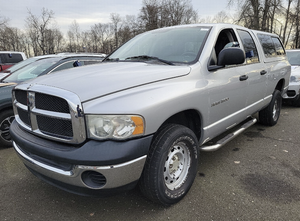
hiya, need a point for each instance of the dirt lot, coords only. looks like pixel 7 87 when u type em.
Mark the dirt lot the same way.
pixel 254 177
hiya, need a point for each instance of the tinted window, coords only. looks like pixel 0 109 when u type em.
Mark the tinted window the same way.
pixel 10 58
pixel 294 57
pixel 249 47
pixel 32 70
pixel 278 46
pixel 67 65
pixel 91 62
pixel 267 44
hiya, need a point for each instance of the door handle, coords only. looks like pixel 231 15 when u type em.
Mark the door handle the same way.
pixel 263 72
pixel 243 77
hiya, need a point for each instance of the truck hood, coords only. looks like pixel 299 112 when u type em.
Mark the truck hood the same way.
pixel 93 81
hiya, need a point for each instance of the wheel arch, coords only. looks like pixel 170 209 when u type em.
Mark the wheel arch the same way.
pixel 6 106
pixel 280 85
pixel 189 118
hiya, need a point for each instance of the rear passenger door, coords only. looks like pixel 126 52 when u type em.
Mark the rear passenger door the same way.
pixel 274 59
pixel 254 72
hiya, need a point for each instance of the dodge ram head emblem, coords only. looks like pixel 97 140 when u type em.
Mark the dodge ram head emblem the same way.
pixel 79 112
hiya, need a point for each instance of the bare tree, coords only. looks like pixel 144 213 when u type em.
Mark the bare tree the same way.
pixel 11 39
pixel 3 22
pixel 221 17
pixel 38 27
pixel 157 14
pixel 116 22
pixel 150 14
pixel 74 35
pixel 287 18
pixel 176 12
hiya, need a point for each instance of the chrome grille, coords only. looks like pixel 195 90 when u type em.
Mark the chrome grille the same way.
pixel 55 127
pixel 24 116
pixel 51 103
pixel 21 96
pixel 49 112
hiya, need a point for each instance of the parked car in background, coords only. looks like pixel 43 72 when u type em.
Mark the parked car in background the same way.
pixel 9 58
pixel 19 65
pixel 41 65
pixel 293 93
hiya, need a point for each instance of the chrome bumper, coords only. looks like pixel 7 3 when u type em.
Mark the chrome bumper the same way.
pixel 292 87
pixel 116 175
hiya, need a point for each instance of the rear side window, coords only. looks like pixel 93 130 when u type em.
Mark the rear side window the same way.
pixel 249 47
pixel 271 45
pixel 91 62
pixel 71 64
pixel 278 46
pixel 67 65
pixel 10 58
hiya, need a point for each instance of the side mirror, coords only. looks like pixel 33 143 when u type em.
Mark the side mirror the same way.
pixel 231 56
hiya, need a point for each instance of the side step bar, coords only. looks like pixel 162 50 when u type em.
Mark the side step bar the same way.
pixel 217 145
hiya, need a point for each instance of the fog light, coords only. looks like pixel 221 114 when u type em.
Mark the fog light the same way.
pixel 93 179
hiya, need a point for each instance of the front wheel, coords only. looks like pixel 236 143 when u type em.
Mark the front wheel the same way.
pixel 171 166
pixel 270 114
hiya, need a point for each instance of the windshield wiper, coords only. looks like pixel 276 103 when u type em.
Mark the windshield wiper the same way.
pixel 146 57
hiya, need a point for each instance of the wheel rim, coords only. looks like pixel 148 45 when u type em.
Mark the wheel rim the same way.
pixel 177 166
pixel 276 110
pixel 4 128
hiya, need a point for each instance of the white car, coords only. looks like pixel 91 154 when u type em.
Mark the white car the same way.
pixel 294 85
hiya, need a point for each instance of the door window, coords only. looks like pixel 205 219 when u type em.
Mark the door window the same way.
pixel 251 53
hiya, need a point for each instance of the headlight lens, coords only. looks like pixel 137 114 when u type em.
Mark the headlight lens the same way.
pixel 114 126
pixel 295 78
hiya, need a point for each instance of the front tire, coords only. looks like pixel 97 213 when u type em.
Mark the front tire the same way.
pixel 270 115
pixel 6 118
pixel 171 166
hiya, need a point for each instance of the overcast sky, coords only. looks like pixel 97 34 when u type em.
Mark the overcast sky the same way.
pixel 89 12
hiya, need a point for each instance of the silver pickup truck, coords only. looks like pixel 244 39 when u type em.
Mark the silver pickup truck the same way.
pixel 143 114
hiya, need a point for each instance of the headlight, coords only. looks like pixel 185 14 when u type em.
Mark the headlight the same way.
pixel 295 78
pixel 114 126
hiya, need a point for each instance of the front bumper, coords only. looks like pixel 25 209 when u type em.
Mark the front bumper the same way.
pixel 293 90
pixel 95 168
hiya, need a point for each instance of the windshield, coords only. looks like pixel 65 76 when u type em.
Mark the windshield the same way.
pixel 32 70
pixel 175 45
pixel 21 64
pixel 293 57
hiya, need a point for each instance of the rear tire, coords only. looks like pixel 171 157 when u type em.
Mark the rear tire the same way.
pixel 171 165
pixel 6 118
pixel 270 115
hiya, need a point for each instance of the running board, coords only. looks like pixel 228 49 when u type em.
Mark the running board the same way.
pixel 217 145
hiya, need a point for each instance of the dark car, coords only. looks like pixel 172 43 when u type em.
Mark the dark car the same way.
pixel 43 65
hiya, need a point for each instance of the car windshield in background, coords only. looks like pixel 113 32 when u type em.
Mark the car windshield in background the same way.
pixel 293 57
pixel 32 70
pixel 21 64
pixel 168 46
